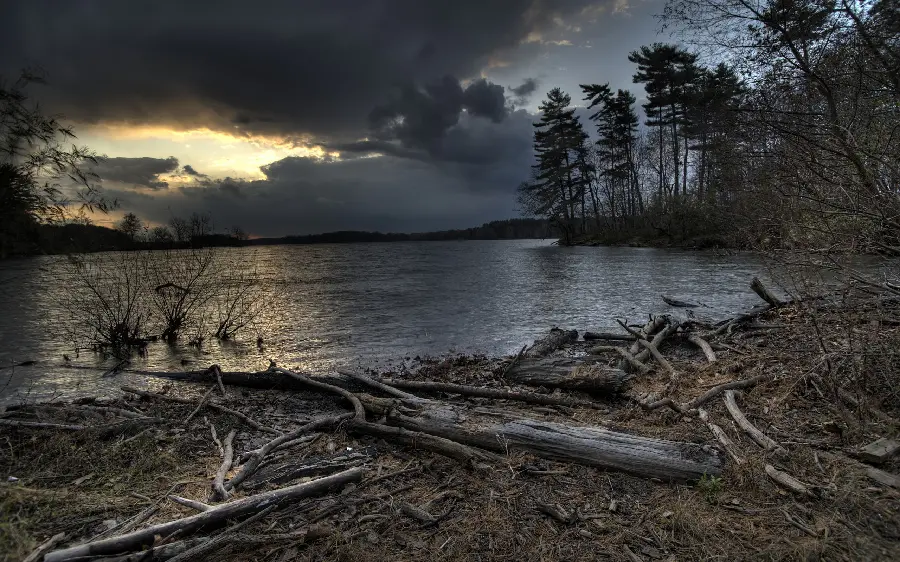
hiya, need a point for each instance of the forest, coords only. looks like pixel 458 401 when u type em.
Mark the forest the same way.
pixel 767 125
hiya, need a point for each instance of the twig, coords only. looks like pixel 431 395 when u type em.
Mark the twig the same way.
pixel 720 434
pixel 625 355
pixel 386 388
pixel 199 551
pixel 218 485
pixel 43 425
pixel 215 438
pixel 214 405
pixel 199 405
pixel 466 390
pixel 193 504
pixel 253 463
pixel 703 398
pixel 512 363
pixel 787 481
pixel 38 554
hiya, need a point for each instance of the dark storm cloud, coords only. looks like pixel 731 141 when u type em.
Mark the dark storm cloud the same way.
pixel 472 182
pixel 189 170
pixel 282 67
pixel 143 172
pixel 527 88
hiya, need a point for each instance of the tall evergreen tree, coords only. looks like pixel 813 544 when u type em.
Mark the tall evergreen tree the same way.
pixel 560 174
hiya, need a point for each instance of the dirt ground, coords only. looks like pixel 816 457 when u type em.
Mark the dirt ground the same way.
pixel 85 483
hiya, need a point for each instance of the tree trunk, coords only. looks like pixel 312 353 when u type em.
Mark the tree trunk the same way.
pixel 591 446
pixel 568 373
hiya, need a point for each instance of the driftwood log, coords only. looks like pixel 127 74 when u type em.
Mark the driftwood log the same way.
pixel 671 301
pixel 569 374
pixel 217 515
pixel 591 446
pixel 550 343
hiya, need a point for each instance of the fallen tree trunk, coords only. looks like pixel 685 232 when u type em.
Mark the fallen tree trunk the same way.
pixel 496 393
pixel 591 336
pixel 218 514
pixel 591 446
pixel 568 373
pixel 550 343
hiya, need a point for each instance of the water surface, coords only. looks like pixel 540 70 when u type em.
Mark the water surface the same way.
pixel 361 305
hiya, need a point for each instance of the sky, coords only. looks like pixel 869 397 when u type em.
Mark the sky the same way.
pixel 306 116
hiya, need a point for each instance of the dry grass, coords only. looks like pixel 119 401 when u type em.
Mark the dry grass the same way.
pixel 490 513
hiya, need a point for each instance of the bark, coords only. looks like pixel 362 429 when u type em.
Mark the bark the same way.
pixel 568 373
pixel 765 294
pixel 550 343
pixel 217 515
pixel 496 393
pixel 591 446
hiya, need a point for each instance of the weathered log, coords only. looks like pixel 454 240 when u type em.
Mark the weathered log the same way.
pixel 550 343
pixel 609 336
pixel 761 438
pixel 765 294
pixel 157 554
pixel 238 508
pixel 568 373
pixel 591 446
pixel 671 301
pixel 496 393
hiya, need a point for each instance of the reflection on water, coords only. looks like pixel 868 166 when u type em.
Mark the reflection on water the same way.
pixel 359 305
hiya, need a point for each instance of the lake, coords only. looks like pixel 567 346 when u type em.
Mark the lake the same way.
pixel 379 304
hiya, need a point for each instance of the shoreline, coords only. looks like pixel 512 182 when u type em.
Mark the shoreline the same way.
pixel 411 500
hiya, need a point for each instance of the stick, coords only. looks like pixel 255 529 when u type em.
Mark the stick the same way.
pixel 162 552
pixel 43 425
pixel 466 390
pixel 703 398
pixel 659 357
pixel 389 390
pixel 38 554
pixel 199 405
pixel 193 504
pixel 625 355
pixel 761 438
pixel 513 362
pixel 219 513
pixel 218 485
pixel 787 481
pixel 253 463
pixel 214 405
pixel 703 345
pixel 765 294
pixel 720 434
pixel 204 548
pixel 218 372
pixel 215 437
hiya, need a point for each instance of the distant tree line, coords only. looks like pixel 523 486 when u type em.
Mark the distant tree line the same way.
pixel 511 229
pixel 784 134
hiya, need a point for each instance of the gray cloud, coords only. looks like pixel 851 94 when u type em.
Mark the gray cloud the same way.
pixel 189 170
pixel 524 91
pixel 282 67
pixel 142 172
